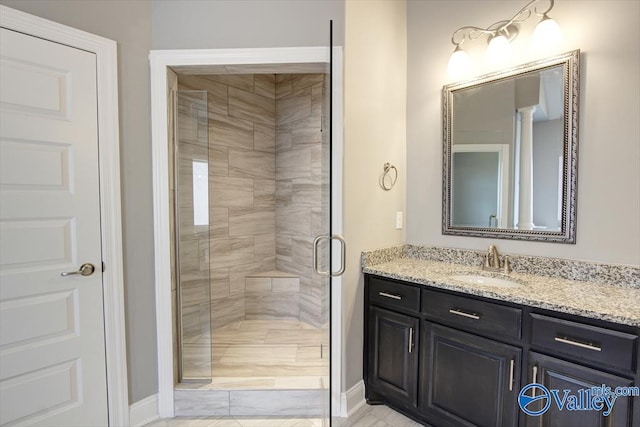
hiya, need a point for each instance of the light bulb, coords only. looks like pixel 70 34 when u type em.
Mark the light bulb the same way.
pixel 459 64
pixel 546 36
pixel 498 51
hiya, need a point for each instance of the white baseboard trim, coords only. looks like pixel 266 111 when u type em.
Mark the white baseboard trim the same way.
pixel 352 399
pixel 144 411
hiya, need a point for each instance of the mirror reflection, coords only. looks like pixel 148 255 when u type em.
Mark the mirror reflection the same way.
pixel 510 153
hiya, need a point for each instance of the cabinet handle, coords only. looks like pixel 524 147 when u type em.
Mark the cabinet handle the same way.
pixel 384 294
pixel 588 346
pixel 410 339
pixel 511 379
pixel 464 314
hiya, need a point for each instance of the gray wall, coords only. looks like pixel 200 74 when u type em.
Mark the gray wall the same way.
pixel 608 229
pixel 128 23
pixel 547 148
pixel 196 24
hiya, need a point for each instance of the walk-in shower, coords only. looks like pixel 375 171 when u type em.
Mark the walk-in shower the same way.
pixel 250 177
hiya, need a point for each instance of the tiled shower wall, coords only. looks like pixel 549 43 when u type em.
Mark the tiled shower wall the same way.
pixel 249 168
pixel 300 200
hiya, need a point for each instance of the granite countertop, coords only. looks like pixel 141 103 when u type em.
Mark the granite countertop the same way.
pixel 614 303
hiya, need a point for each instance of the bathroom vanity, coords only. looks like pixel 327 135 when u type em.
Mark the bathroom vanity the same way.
pixel 451 352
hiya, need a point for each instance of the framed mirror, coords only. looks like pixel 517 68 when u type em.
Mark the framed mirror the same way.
pixel 510 152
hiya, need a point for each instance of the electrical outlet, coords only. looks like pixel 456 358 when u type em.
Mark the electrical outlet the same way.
pixel 399 220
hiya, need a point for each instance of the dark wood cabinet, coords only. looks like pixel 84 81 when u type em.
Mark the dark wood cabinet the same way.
pixel 455 360
pixel 557 374
pixel 467 380
pixel 392 355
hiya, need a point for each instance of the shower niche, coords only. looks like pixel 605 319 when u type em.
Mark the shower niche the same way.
pixel 249 194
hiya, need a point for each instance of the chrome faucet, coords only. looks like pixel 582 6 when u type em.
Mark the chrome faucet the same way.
pixel 492 261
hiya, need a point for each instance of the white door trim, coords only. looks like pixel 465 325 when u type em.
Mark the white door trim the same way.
pixel 160 60
pixel 109 161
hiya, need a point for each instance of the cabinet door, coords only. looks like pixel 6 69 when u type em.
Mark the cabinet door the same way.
pixel 556 374
pixel 392 352
pixel 467 380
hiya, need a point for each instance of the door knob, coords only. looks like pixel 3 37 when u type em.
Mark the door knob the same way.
pixel 85 270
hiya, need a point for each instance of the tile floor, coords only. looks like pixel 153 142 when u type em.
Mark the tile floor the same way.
pixel 265 354
pixel 367 416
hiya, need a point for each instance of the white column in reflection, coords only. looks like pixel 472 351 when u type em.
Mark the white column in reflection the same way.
pixel 525 209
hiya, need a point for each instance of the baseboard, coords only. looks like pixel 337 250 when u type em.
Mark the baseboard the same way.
pixel 144 411
pixel 352 399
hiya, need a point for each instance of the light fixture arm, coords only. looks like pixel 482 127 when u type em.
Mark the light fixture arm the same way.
pixel 507 28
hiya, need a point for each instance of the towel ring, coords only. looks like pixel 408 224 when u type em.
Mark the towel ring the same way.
pixel 387 168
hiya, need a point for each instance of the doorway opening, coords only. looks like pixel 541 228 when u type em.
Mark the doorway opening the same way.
pixel 254 291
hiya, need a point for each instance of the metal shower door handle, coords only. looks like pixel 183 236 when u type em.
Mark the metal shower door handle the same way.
pixel 343 255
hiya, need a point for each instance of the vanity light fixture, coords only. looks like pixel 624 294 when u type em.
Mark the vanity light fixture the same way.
pixel 500 34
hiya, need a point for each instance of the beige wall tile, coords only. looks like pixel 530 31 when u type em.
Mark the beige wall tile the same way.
pixel 265 247
pixel 306 192
pixel 264 138
pixel 249 106
pixel 257 284
pixel 251 164
pixel 265 85
pixel 284 139
pixel 218 160
pixel 231 132
pixel 264 192
pixel 226 192
pixel 293 107
pixel 283 193
pixel 219 222
pixel 293 221
pixel 216 92
pixel 239 81
pixel 219 283
pixel 231 252
pixel 285 284
pixel 251 221
pixel 284 85
pixel 301 81
pixel 293 164
pixel 283 248
pixel 227 311
pixel 317 100
pixel 306 131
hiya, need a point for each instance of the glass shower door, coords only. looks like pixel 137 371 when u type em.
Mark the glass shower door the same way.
pixel 191 187
pixel 326 245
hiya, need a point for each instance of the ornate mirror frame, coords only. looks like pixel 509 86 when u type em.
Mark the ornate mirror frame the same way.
pixel 570 62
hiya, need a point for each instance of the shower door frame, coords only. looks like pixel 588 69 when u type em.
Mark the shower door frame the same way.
pixel 160 61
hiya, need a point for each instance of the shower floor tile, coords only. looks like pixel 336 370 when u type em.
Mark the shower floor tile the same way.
pixel 263 355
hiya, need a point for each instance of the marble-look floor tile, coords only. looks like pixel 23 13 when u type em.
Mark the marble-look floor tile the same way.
pixel 244 383
pixel 263 355
pixel 289 402
pixel 380 416
pixel 198 402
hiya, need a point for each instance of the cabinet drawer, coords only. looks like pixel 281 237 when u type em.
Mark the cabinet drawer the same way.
pixel 473 315
pixel 585 342
pixel 394 295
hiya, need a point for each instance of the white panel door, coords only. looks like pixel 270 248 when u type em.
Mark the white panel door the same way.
pixel 52 349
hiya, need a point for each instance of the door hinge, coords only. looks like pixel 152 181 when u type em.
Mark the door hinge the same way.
pixel 104 266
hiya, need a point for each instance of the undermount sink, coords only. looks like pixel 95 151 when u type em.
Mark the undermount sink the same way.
pixel 477 279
